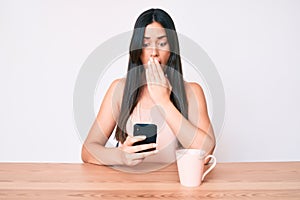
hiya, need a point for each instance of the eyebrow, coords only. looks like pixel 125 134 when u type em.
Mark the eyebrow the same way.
pixel 160 37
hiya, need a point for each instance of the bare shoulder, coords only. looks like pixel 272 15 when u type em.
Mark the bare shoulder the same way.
pixel 197 107
pixel 115 91
pixel 117 87
pixel 118 83
pixel 194 91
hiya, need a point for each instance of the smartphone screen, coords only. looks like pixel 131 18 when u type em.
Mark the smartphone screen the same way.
pixel 149 130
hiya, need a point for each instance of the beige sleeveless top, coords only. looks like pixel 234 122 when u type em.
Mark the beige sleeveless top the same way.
pixel 166 140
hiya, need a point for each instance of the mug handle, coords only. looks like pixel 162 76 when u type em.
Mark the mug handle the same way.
pixel 211 167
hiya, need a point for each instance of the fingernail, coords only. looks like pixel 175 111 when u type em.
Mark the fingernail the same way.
pixel 154 145
pixel 156 151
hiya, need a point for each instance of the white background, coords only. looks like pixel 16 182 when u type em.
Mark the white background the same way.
pixel 255 46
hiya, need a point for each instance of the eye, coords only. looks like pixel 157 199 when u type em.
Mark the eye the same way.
pixel 162 44
pixel 146 44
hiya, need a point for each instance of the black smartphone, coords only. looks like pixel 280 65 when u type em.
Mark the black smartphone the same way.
pixel 149 130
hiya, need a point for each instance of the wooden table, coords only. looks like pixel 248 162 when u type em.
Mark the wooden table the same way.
pixel 86 181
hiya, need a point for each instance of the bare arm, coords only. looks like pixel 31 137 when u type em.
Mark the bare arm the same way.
pixel 195 132
pixel 94 150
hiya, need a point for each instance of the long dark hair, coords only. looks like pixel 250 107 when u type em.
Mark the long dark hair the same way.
pixel 135 73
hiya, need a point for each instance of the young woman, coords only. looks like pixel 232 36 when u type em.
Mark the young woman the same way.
pixel 152 92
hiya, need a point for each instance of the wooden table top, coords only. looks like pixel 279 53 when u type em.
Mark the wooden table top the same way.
pixel 279 180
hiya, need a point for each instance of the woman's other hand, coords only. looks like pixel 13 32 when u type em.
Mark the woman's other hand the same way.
pixel 130 156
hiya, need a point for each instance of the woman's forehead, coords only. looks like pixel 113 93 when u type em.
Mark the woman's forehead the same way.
pixel 154 31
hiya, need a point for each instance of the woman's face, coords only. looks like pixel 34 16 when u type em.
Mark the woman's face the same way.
pixel 155 44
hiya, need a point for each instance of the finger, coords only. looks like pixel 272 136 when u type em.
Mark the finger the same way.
pixel 143 147
pixel 148 79
pixel 148 73
pixel 159 71
pixel 131 140
pixel 137 156
pixel 149 153
pixel 151 71
pixel 132 160
pixel 127 140
pixel 155 71
pixel 162 79
pixel 146 65
pixel 135 162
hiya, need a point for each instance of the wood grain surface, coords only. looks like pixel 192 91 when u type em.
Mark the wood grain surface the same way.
pixel 279 180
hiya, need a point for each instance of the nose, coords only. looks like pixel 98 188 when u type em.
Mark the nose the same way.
pixel 154 52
